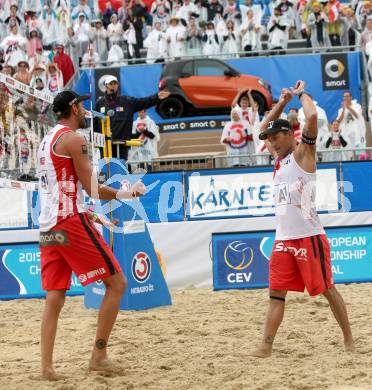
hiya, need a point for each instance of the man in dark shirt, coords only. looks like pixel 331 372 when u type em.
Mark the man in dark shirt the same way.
pixel 121 110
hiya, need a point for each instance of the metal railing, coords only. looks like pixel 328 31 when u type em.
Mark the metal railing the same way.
pixel 210 161
pixel 225 55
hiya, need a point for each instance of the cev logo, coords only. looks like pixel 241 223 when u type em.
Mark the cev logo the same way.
pixel 141 267
pixel 238 255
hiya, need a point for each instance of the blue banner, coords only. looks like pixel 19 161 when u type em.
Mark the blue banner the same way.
pixel 279 71
pixel 241 260
pixel 20 273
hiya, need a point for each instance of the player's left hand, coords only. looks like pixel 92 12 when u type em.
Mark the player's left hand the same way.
pixel 163 94
pixel 299 87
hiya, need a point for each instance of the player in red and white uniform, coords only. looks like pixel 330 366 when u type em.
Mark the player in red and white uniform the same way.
pixel 68 239
pixel 301 253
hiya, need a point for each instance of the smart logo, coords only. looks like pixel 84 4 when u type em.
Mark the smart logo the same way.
pixel 141 267
pixel 335 72
pixel 238 256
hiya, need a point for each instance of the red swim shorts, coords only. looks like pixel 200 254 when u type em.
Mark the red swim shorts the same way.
pixel 300 263
pixel 74 245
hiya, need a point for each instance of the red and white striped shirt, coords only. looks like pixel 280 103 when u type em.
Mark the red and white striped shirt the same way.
pixel 60 191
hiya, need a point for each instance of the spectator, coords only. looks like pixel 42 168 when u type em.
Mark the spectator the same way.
pixel 121 110
pixel 33 43
pixel 322 123
pixel 366 43
pixel 278 31
pixel 188 9
pixel 350 29
pixel 37 72
pixel 249 34
pixel 286 10
pixel 231 40
pixel 238 138
pixel 363 11
pixel 8 70
pixel 14 46
pixel 83 33
pixel 54 79
pixel 176 35
pixel 193 38
pixel 22 73
pixel 255 6
pixel 115 56
pixel 292 118
pixel 176 6
pixel 211 45
pixel 213 8
pixel 13 17
pixel 38 58
pixel 220 27
pixel 352 122
pixel 107 15
pixel 90 58
pixel 156 45
pixel 122 12
pixel 231 12
pixel 49 28
pixel 81 8
pixel 147 131
pixel 336 141
pixel 140 11
pixel 202 12
pixel 161 9
pixel 72 47
pixel 65 64
pixel 318 23
pixel 99 39
pixel 115 31
pixel 332 10
pixel 64 18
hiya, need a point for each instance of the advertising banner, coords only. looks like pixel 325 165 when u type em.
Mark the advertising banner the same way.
pixel 241 260
pixel 133 248
pixel 330 75
pixel 20 272
pixel 244 193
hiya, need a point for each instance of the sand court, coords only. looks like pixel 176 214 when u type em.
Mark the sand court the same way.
pixel 201 342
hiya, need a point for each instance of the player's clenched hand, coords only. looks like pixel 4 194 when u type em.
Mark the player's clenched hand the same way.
pixel 137 189
pixel 299 87
pixel 286 95
pixel 163 94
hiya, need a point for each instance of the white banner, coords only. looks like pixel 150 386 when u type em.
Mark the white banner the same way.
pixel 249 194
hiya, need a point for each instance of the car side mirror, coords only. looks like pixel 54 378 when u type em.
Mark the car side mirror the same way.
pixel 229 73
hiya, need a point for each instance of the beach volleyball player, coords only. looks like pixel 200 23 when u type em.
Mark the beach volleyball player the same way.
pixel 301 254
pixel 68 239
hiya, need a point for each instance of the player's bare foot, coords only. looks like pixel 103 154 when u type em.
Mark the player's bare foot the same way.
pixel 349 346
pixel 48 374
pixel 103 365
pixel 261 352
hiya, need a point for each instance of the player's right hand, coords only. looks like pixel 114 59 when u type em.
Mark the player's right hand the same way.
pixel 286 95
pixel 138 188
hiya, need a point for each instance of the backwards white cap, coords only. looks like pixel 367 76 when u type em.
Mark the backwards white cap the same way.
pixel 109 79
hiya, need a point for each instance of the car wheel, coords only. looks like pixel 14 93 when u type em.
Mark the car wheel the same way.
pixel 171 107
pixel 261 102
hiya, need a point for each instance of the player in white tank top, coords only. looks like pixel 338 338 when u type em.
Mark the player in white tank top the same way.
pixel 301 253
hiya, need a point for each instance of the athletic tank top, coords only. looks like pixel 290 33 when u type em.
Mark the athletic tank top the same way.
pixel 294 197
pixel 60 192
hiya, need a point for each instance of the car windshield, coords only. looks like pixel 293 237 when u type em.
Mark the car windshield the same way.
pixel 210 68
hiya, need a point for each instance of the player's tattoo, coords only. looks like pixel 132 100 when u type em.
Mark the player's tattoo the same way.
pixel 84 149
pixel 269 340
pixel 101 344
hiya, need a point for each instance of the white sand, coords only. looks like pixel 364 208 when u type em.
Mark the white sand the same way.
pixel 201 342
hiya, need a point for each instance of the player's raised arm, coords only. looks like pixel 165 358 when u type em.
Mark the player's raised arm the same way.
pixel 305 151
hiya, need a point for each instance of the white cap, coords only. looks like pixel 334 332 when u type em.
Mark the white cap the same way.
pixel 110 78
